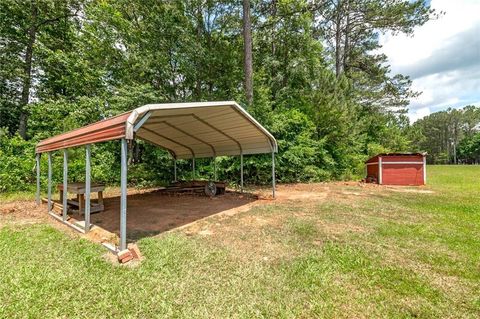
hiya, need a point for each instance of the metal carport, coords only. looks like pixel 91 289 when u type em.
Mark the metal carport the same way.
pixel 185 130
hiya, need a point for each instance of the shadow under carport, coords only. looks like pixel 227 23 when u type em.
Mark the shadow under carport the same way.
pixel 152 213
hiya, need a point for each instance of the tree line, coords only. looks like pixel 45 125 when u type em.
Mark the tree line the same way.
pixel 449 137
pixel 309 70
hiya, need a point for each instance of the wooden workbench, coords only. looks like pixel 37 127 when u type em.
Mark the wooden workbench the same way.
pixel 79 190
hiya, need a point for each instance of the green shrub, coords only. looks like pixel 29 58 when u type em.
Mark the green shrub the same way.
pixel 17 165
pixel 302 157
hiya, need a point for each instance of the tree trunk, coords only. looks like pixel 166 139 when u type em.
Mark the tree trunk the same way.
pixel 455 153
pixel 338 40
pixel 346 47
pixel 247 50
pixel 273 69
pixel 455 141
pixel 27 70
pixel 198 82
pixel 274 15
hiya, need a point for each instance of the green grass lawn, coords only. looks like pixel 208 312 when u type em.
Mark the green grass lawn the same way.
pixel 358 252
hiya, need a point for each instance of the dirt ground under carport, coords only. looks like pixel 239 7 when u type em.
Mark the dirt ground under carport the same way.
pixel 149 212
pixel 152 213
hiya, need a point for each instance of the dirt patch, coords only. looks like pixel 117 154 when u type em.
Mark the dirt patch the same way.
pixel 303 196
pixel 403 189
pixel 297 192
pixel 352 193
pixel 100 235
pixel 21 212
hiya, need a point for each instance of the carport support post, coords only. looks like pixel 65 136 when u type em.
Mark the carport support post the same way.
pixel 273 174
pixel 215 169
pixel 87 187
pixel 49 200
pixel 174 169
pixel 193 168
pixel 65 184
pixel 241 171
pixel 37 195
pixel 380 168
pixel 123 196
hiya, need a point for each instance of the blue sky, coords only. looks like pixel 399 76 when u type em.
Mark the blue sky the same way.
pixel 442 58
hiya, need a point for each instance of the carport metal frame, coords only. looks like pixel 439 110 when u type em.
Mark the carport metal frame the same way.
pixel 133 124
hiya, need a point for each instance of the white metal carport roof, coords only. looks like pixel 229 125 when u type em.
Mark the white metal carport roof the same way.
pixel 202 129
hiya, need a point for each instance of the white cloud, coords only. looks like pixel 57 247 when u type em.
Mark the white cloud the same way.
pixel 442 57
pixel 419 113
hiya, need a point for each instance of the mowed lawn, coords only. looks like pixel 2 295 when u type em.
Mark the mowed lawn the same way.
pixel 353 252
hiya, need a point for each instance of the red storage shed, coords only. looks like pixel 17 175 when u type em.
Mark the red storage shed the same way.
pixel 397 169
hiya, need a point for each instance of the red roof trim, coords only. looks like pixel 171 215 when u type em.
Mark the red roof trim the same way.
pixel 106 130
pixel 371 159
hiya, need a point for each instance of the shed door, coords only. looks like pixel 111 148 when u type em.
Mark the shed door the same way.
pixel 402 174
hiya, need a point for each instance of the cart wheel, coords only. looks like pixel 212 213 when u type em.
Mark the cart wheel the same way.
pixel 210 189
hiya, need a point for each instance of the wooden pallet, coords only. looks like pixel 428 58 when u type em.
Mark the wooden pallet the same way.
pixel 58 207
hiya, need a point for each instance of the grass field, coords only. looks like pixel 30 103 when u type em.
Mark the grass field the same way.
pixel 358 252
